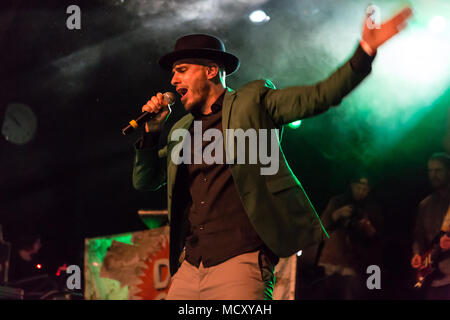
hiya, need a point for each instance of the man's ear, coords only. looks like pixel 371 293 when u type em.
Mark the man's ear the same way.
pixel 212 71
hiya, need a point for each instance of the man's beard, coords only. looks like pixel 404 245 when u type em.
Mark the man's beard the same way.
pixel 196 108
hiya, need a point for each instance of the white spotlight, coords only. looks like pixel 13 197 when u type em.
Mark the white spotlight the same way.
pixel 258 16
pixel 437 24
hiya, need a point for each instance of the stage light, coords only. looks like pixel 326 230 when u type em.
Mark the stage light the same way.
pixel 258 16
pixel 299 253
pixel 63 268
pixel 95 264
pixel 437 24
pixel 38 266
pixel 295 124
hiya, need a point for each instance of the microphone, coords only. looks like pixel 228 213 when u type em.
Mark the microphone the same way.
pixel 168 97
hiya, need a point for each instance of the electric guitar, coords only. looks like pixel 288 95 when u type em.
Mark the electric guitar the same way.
pixel 428 268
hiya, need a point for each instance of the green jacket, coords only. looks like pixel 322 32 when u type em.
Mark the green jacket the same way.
pixel 277 205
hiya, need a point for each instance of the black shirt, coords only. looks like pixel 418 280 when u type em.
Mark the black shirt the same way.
pixel 219 226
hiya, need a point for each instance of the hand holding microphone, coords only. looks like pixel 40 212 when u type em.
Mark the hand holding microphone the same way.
pixel 154 113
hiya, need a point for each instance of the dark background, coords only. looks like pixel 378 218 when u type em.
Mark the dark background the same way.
pixel 73 180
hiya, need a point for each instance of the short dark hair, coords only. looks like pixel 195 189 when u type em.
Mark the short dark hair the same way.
pixel 358 175
pixel 442 157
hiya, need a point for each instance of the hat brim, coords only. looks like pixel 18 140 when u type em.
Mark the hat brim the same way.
pixel 230 62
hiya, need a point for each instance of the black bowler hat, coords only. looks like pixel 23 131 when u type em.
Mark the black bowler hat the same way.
pixel 200 46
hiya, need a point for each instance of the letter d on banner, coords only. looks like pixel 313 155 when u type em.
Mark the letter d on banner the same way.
pixel 159 282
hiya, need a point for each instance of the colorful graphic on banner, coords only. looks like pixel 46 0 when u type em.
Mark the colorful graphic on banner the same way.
pixel 135 266
pixel 132 266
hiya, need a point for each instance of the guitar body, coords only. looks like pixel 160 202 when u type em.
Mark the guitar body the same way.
pixel 428 269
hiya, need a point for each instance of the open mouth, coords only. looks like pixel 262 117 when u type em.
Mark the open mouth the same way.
pixel 182 92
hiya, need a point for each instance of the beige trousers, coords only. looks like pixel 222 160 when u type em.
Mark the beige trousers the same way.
pixel 249 276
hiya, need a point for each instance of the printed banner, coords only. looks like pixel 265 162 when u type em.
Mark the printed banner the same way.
pixel 135 266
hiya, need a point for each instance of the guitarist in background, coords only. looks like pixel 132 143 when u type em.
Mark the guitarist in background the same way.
pixel 432 229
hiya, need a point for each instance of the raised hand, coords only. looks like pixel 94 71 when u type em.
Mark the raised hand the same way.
pixel 372 38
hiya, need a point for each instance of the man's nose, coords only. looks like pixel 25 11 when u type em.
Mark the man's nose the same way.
pixel 174 80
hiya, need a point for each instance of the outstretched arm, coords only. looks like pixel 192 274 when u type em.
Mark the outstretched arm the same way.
pixel 298 102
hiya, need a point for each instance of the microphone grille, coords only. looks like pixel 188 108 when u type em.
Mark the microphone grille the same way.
pixel 169 97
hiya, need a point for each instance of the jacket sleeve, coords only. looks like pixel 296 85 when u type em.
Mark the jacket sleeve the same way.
pixel 149 171
pixel 298 102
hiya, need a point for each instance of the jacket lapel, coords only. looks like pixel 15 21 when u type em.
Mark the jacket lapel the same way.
pixel 171 166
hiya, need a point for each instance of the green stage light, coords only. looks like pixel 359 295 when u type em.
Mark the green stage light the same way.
pixel 295 124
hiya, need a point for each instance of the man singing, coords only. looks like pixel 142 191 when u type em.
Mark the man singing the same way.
pixel 229 223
